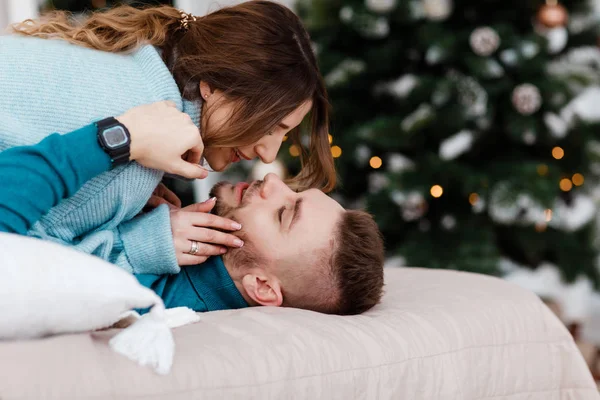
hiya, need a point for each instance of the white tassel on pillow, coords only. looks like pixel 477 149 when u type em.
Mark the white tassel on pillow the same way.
pixel 149 341
pixel 55 290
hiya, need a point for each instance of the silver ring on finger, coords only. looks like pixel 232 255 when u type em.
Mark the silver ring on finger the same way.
pixel 193 248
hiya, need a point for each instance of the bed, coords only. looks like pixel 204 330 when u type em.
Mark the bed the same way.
pixel 436 335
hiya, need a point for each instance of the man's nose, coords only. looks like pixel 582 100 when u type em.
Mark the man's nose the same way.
pixel 272 185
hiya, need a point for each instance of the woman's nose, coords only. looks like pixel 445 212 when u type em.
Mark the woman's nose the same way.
pixel 268 147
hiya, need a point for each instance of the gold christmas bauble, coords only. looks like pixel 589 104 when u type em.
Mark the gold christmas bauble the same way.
pixel 553 15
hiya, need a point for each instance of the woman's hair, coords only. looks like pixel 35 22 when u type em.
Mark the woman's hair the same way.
pixel 258 53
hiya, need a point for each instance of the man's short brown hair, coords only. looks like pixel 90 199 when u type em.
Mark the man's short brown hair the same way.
pixel 357 263
pixel 352 281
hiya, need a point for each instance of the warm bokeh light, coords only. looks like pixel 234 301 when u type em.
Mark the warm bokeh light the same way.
pixel 548 214
pixel 294 150
pixel 540 226
pixel 473 198
pixel 542 169
pixel 285 138
pixel 577 179
pixel 436 191
pixel 375 162
pixel 330 139
pixel 565 184
pixel 558 153
pixel 336 151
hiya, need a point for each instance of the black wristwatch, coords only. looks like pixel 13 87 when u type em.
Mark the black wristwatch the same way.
pixel 115 140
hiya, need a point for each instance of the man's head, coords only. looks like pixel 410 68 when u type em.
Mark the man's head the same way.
pixel 301 250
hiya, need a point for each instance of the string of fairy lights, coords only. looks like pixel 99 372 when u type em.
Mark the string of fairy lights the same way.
pixel 565 184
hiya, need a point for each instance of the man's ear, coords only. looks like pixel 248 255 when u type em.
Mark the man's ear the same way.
pixel 264 289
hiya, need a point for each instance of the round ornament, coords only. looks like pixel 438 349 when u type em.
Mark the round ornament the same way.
pixel 380 6
pixel 484 41
pixel 526 98
pixel 552 14
pixel 437 10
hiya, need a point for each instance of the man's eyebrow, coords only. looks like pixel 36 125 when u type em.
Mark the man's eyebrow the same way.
pixel 283 126
pixel 297 213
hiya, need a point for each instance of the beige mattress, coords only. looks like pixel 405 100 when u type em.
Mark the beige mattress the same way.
pixel 437 335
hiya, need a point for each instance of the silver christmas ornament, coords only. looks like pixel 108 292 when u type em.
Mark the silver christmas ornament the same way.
pixel 529 137
pixel 529 49
pixel 380 6
pixel 472 96
pixel 346 14
pixel 557 39
pixel 414 206
pixel 362 154
pixel 484 41
pixel 377 182
pixel 526 98
pixel 478 205
pixel 448 222
pixel 509 57
pixel 398 163
pixel 437 10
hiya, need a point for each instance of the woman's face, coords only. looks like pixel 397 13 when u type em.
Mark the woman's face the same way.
pixel 219 158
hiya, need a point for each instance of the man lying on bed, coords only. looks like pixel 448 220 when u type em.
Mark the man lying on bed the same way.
pixel 300 250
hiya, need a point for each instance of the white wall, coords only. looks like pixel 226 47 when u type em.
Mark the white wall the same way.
pixel 12 11
pixel 202 7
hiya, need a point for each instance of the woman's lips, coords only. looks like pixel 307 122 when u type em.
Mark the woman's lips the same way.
pixel 239 191
pixel 237 155
pixel 242 155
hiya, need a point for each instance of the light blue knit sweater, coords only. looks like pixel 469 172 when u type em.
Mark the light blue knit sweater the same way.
pixel 51 86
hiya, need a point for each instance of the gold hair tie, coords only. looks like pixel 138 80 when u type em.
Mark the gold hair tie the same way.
pixel 186 18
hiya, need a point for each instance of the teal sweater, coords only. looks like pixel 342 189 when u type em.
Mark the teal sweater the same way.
pixel 51 86
pixel 57 167
pixel 204 287
pixel 54 169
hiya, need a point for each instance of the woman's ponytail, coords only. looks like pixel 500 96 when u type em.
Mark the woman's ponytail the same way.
pixel 117 30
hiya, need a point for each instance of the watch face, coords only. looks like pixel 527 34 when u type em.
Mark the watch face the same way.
pixel 115 137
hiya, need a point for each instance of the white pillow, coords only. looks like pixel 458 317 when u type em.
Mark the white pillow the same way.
pixel 47 288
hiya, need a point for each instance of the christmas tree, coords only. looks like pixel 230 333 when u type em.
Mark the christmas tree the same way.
pixel 469 128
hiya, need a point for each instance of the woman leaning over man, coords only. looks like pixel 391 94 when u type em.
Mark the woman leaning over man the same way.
pixel 245 76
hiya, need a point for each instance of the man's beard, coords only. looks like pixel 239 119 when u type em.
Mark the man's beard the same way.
pixel 221 209
pixel 224 210
pixel 247 256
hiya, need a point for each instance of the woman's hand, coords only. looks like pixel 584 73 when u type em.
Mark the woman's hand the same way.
pixel 194 224
pixel 161 135
pixel 163 195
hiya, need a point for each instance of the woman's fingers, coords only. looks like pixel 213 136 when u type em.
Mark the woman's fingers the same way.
pixel 203 207
pixel 193 223
pixel 204 250
pixel 213 221
pixel 207 235
pixel 169 196
pixel 155 201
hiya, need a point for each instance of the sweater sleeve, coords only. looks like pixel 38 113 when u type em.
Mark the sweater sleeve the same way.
pixel 147 243
pixel 35 178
